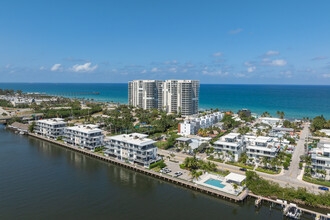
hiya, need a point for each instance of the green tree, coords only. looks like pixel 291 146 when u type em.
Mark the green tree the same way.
pixel 31 127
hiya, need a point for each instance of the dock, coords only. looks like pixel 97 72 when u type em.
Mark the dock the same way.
pixel 282 203
pixel 190 185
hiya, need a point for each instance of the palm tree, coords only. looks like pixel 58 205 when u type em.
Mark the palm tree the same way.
pixel 195 174
pixel 235 186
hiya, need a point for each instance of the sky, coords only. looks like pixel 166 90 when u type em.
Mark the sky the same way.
pixel 216 42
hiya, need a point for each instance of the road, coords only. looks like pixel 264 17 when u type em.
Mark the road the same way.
pixel 285 178
pixel 294 170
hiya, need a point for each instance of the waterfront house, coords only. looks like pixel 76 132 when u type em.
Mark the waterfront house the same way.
pixel 321 157
pixel 84 136
pixel 134 148
pixel 232 143
pixel 261 147
pixel 270 121
pixel 50 128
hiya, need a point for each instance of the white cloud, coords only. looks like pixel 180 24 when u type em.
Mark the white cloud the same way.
pixel 214 72
pixel 326 75
pixel 84 67
pixel 154 70
pixel 144 71
pixel 247 63
pixel 217 54
pixel 173 70
pixel 278 62
pixel 239 75
pixel 287 73
pixel 272 53
pixel 56 67
pixel 319 58
pixel 236 31
pixel 42 68
pixel 251 69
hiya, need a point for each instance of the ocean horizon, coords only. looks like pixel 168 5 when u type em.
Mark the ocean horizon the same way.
pixel 296 101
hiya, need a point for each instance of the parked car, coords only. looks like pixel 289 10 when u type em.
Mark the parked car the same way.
pixel 178 173
pixel 242 169
pixel 324 188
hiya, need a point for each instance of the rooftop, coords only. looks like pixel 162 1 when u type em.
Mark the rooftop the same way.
pixel 52 121
pixel 235 177
pixel 85 128
pixel 134 138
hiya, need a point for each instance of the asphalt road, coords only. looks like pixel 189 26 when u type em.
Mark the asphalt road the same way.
pixel 285 178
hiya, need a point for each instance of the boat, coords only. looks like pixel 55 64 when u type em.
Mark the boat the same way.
pixel 292 211
pixel 257 202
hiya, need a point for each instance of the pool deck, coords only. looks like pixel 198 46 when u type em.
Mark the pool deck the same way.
pixel 229 189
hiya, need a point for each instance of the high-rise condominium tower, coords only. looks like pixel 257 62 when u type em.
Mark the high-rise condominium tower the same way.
pixel 170 95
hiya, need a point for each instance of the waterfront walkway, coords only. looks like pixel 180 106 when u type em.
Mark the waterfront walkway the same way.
pixel 174 180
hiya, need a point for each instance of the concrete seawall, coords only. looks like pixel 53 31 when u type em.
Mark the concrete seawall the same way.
pixel 152 173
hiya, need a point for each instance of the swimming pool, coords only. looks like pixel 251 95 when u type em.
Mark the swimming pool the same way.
pixel 216 183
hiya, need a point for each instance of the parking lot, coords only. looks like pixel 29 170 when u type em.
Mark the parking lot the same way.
pixel 174 167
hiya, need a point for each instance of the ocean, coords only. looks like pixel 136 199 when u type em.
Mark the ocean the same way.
pixel 296 101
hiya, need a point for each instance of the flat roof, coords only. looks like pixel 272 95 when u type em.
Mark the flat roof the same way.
pixel 231 135
pixel 85 128
pixel 183 139
pixel 233 144
pixel 262 139
pixel 134 138
pixel 235 177
pixel 52 121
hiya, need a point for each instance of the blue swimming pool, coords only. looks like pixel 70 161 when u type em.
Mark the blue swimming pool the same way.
pixel 216 183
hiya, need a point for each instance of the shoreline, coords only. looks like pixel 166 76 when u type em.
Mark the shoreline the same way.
pixel 178 182
pixel 189 185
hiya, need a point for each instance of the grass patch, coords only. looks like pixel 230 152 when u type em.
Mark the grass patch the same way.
pixel 161 144
pixel 273 190
pixel 216 160
pixel 316 181
pixel 221 172
pixel 240 165
pixel 268 171
pixel 159 164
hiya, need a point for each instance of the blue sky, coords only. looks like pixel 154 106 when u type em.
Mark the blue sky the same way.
pixel 236 42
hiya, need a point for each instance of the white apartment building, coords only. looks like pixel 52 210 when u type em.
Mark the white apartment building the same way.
pixel 50 128
pixel 84 136
pixel 146 94
pixel 321 157
pixel 135 148
pixel 170 95
pixel 233 143
pixel 261 147
pixel 270 121
pixel 192 125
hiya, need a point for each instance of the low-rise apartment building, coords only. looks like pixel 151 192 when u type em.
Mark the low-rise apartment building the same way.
pixel 261 147
pixel 192 125
pixel 50 128
pixel 270 121
pixel 134 148
pixel 321 157
pixel 84 136
pixel 233 143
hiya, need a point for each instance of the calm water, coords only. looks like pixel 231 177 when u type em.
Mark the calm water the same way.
pixel 40 180
pixel 295 101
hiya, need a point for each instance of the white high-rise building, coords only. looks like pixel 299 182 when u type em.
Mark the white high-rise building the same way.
pixel 170 95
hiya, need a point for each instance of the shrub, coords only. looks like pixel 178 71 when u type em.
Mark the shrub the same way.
pixel 159 164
